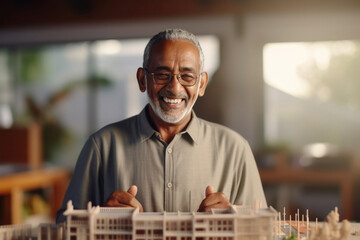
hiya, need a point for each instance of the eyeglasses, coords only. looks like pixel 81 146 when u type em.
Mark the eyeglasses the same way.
pixel 186 79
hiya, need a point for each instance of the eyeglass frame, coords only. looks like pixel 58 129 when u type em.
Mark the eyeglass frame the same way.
pixel 178 78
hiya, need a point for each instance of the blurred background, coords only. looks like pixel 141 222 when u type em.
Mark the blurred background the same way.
pixel 284 74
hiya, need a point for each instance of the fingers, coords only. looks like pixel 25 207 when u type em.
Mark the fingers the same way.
pixel 219 205
pixel 209 190
pixel 213 200
pixel 124 199
pixel 133 190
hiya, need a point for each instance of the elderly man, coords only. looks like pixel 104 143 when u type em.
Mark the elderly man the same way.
pixel 166 158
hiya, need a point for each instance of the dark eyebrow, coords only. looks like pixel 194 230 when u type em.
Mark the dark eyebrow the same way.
pixel 184 69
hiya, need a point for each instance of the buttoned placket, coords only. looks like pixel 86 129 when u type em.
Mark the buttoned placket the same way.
pixel 170 185
pixel 169 177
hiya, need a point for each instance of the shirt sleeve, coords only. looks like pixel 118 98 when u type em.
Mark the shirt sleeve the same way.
pixel 85 184
pixel 249 184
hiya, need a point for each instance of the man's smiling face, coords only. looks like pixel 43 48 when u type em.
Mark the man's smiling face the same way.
pixel 172 102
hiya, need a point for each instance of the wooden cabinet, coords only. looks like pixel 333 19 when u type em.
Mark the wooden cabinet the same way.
pixel 22 145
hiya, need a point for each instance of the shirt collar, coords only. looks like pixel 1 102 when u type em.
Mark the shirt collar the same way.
pixel 193 127
pixel 146 130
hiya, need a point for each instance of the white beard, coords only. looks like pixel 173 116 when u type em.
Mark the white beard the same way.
pixel 167 117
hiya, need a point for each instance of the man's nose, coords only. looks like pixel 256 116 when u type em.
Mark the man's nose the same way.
pixel 174 84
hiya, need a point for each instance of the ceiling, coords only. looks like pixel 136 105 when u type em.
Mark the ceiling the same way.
pixel 34 13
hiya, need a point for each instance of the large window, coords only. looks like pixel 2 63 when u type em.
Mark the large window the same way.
pixel 312 94
pixel 312 111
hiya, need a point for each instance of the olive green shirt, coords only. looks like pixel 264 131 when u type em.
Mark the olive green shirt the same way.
pixel 170 177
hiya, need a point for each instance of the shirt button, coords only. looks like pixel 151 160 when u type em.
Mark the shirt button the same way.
pixel 169 185
pixel 169 150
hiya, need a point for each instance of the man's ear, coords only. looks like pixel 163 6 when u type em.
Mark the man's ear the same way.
pixel 140 75
pixel 204 78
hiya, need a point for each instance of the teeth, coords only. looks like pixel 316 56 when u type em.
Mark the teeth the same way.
pixel 172 100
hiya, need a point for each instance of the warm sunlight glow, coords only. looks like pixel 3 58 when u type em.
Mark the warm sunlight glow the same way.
pixel 280 67
pixel 311 95
pixel 282 62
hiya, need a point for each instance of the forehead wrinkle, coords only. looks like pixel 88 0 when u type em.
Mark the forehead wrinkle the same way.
pixel 158 68
pixel 182 69
pixel 178 61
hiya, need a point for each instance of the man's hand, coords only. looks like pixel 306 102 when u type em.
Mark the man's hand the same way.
pixel 213 200
pixel 124 199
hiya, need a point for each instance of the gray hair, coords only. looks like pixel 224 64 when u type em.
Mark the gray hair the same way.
pixel 173 34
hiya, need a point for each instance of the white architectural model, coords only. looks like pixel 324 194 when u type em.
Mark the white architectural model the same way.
pixel 236 223
pixel 19 231
pixel 331 230
pixel 128 223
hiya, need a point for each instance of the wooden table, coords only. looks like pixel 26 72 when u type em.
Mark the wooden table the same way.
pixel 14 186
pixel 345 180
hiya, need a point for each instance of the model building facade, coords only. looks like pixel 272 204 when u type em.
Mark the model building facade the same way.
pixel 241 223
pixel 19 231
pixel 93 223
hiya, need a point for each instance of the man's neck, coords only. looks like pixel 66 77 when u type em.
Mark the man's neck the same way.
pixel 168 130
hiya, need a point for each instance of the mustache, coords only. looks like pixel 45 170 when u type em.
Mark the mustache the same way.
pixel 166 93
